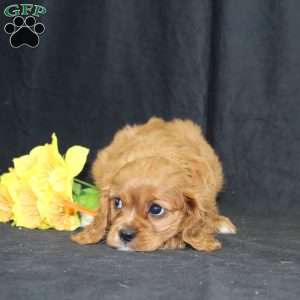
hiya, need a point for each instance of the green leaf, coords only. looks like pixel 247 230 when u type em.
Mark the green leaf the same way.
pixel 75 197
pixel 88 197
pixel 90 191
pixel 76 188
pixel 90 201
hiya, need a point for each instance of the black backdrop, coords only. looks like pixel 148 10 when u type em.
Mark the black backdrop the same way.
pixel 231 66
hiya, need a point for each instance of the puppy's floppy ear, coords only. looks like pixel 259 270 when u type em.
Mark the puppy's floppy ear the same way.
pixel 94 232
pixel 198 228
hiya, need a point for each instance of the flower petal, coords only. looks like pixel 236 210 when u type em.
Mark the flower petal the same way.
pixel 5 204
pixel 75 159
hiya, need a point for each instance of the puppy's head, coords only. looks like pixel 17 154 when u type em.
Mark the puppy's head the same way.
pixel 145 206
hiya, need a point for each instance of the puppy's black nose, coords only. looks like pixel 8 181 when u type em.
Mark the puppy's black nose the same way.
pixel 127 234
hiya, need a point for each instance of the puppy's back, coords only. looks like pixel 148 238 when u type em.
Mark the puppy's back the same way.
pixel 180 141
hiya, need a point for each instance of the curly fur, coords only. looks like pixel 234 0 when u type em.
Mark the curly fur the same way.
pixel 169 163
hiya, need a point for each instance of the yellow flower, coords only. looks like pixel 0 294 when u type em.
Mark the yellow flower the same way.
pixel 5 204
pixel 40 185
pixel 57 214
pixel 25 212
pixel 52 183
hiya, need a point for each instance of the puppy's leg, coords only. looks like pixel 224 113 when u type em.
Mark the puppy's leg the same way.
pixel 224 225
pixel 94 232
pixel 174 243
pixel 204 242
pixel 207 243
pixel 200 235
pixel 91 234
pixel 204 239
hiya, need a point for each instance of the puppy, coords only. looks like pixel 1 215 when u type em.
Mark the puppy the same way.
pixel 159 184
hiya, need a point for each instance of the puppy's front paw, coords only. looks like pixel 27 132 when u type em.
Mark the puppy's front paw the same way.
pixel 209 245
pixel 88 236
pixel 80 238
pixel 174 243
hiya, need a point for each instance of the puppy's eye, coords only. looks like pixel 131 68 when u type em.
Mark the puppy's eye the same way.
pixel 156 210
pixel 118 202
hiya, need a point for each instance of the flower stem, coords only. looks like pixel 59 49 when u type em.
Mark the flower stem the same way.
pixel 84 183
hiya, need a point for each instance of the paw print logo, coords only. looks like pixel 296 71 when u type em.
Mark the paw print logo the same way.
pixel 24 32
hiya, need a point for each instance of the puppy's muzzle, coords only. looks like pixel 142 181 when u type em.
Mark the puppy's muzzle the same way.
pixel 127 234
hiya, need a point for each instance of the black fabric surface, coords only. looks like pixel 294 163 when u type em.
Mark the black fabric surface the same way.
pixel 261 262
pixel 231 66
